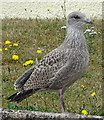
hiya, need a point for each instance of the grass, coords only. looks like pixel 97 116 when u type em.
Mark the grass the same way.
pixel 47 34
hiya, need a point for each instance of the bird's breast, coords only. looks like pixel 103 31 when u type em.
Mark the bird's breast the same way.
pixel 75 69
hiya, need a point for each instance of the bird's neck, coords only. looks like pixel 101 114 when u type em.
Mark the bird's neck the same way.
pixel 75 38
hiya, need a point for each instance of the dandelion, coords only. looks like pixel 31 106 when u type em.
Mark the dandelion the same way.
pixel 93 94
pixel 15 44
pixel 10 45
pixel 1 50
pixel 28 62
pixel 25 64
pixel 64 1
pixel 39 51
pixel 15 57
pixel 31 62
pixel 48 9
pixel 7 42
pixel 79 8
pixel 84 112
pixel 82 86
pixel 6 48
pixel 49 50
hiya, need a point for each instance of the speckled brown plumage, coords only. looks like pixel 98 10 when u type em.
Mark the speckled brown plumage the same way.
pixel 61 67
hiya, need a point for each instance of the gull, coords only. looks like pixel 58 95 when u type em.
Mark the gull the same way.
pixel 61 67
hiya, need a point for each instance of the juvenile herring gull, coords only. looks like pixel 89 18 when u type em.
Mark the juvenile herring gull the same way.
pixel 61 67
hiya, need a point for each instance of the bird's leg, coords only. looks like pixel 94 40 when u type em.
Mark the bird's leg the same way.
pixel 61 95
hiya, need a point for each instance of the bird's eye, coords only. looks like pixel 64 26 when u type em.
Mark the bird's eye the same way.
pixel 76 17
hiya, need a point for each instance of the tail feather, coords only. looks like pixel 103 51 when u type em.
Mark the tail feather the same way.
pixel 19 96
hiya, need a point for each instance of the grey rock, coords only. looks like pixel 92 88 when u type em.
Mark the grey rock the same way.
pixel 32 115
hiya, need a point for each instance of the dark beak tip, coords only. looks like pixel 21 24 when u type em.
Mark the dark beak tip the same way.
pixel 91 22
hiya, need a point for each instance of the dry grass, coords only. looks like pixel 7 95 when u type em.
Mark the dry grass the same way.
pixel 47 34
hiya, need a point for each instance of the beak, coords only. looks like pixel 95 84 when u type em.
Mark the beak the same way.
pixel 89 21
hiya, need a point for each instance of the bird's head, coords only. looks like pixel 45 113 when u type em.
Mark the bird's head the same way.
pixel 78 19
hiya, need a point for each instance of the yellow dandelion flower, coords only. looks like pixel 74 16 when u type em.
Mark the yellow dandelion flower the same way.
pixel 79 8
pixel 25 64
pixel 15 57
pixel 31 61
pixel 48 9
pixel 1 50
pixel 28 62
pixel 39 51
pixel 82 86
pixel 10 45
pixel 64 0
pixel 84 112
pixel 6 48
pixel 7 42
pixel 49 50
pixel 93 94
pixel 15 44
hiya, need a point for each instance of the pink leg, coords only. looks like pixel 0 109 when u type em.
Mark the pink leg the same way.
pixel 61 95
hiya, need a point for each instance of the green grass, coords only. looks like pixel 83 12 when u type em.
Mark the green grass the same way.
pixel 47 34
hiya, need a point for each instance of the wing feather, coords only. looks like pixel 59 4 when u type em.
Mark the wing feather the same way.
pixel 22 79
